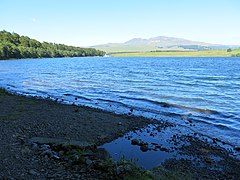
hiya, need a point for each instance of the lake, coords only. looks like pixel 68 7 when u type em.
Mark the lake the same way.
pixel 205 91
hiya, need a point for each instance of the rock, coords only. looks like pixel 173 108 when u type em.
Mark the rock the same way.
pixel 55 156
pixel 208 161
pixel 135 142
pixel 141 143
pixel 144 148
pixel 33 172
pixel 164 149
pixel 237 148
pixel 47 152
pixel 59 141
pixel 88 162
pixel 83 170
pixel 61 153
pixel 34 146
pixel 119 123
pixel 44 147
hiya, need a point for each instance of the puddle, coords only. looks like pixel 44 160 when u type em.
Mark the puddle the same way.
pixel 159 141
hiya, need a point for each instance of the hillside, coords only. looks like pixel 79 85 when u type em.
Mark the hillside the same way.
pixel 204 53
pixel 160 43
pixel 14 46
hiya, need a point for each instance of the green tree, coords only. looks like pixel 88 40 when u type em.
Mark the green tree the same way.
pixel 14 46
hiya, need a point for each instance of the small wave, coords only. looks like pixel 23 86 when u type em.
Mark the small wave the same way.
pixel 213 78
pixel 114 102
pixel 11 86
pixel 82 97
pixel 77 96
pixel 206 111
pixel 169 105
pixel 48 73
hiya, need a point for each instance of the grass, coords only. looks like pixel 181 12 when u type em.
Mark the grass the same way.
pixel 163 174
pixel 207 53
pixel 2 92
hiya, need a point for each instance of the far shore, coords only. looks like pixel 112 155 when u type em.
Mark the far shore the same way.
pixel 207 53
pixel 24 119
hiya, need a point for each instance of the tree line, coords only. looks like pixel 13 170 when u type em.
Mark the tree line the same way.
pixel 14 46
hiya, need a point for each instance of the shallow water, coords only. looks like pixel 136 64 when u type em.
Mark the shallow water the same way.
pixel 205 91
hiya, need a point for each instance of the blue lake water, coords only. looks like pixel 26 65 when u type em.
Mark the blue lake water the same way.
pixel 205 91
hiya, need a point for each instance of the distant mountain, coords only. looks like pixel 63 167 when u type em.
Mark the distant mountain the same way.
pixel 160 43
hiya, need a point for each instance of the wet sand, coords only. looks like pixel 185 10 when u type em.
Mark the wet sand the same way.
pixel 23 118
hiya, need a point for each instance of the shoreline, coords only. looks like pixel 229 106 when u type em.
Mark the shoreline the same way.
pixel 23 118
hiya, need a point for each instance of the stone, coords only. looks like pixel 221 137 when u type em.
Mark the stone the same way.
pixel 55 156
pixel 164 149
pixel 141 143
pixel 33 172
pixel 88 162
pixel 61 153
pixel 144 148
pixel 34 146
pixel 60 141
pixel 119 123
pixel 47 152
pixel 83 170
pixel 44 147
pixel 237 148
pixel 135 142
pixel 208 161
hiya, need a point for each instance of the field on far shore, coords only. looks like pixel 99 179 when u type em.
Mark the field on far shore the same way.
pixel 207 53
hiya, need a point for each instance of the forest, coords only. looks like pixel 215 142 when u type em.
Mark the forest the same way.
pixel 14 46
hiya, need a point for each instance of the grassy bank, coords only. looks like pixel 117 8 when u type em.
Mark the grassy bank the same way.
pixel 209 53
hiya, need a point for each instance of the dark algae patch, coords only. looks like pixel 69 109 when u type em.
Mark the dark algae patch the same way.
pixel 41 139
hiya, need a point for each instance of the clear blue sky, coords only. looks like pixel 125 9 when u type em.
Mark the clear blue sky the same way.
pixel 90 22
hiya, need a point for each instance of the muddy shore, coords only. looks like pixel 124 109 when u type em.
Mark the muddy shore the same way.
pixel 23 119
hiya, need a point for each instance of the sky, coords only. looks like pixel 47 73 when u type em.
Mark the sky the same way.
pixel 92 22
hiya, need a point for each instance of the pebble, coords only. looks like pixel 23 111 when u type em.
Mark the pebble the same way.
pixel 135 142
pixel 55 156
pixel 61 153
pixel 34 146
pixel 88 162
pixel 237 148
pixel 33 172
pixel 119 123
pixel 144 148
pixel 47 152
pixel 44 147
pixel 164 149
